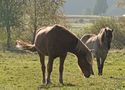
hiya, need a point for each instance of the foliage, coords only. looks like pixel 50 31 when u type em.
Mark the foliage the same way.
pixel 10 13
pixel 21 18
pixel 102 22
pixel 21 71
pixel 111 22
pixel 43 13
pixel 120 3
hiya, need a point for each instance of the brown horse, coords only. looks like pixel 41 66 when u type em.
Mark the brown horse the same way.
pixel 56 41
pixel 101 45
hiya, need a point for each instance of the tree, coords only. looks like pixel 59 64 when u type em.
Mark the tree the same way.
pixel 120 3
pixel 25 14
pixel 43 13
pixel 10 13
pixel 100 7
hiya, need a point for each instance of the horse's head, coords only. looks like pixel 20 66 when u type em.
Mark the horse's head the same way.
pixel 85 64
pixel 106 36
pixel 84 59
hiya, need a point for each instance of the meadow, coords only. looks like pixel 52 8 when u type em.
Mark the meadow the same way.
pixel 21 71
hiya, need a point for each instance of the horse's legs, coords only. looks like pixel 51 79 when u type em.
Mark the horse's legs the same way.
pixel 100 64
pixel 62 59
pixel 42 66
pixel 49 69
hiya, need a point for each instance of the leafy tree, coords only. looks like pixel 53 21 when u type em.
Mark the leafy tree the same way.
pixel 28 14
pixel 10 13
pixel 43 13
pixel 120 3
pixel 100 7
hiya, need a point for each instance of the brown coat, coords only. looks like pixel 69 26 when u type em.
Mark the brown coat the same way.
pixel 56 41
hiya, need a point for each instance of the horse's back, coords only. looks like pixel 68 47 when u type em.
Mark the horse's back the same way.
pixel 60 38
pixel 85 38
pixel 90 40
pixel 56 39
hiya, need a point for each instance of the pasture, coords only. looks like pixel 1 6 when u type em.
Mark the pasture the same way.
pixel 21 71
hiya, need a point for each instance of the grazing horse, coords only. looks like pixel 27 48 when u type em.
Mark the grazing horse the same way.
pixel 101 45
pixel 56 41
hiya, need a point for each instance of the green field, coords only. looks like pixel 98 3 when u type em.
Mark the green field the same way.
pixel 21 71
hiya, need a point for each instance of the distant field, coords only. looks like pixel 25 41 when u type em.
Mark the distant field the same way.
pixel 19 71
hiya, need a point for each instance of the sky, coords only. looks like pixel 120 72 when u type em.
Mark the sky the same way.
pixel 79 7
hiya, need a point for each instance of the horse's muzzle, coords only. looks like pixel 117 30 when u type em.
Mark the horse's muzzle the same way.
pixel 87 75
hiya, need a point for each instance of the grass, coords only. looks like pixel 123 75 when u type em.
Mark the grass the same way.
pixel 21 71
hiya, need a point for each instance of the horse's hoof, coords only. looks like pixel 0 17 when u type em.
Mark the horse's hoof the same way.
pixel 44 82
pixel 47 83
pixel 61 83
pixel 92 73
pixel 100 74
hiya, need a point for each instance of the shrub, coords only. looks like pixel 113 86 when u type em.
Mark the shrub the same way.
pixel 112 22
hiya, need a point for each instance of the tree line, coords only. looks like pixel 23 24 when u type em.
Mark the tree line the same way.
pixel 22 14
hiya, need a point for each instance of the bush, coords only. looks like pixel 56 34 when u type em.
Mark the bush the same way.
pixel 113 23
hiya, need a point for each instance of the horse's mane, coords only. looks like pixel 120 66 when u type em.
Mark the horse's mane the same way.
pixel 101 36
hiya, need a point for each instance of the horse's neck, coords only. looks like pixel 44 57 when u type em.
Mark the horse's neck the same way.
pixel 104 44
pixel 107 44
pixel 77 50
pixel 81 46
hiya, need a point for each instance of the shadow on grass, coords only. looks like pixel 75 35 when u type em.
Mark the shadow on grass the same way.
pixel 115 78
pixel 56 86
pixel 118 78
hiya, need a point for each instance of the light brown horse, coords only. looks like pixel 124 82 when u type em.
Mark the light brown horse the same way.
pixel 56 41
pixel 101 45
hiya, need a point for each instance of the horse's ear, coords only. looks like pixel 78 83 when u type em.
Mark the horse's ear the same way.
pixel 106 30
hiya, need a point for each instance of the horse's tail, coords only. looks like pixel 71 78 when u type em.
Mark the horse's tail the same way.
pixel 25 46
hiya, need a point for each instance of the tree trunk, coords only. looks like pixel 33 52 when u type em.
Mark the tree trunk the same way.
pixel 34 33
pixel 7 25
pixel 8 37
pixel 35 22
